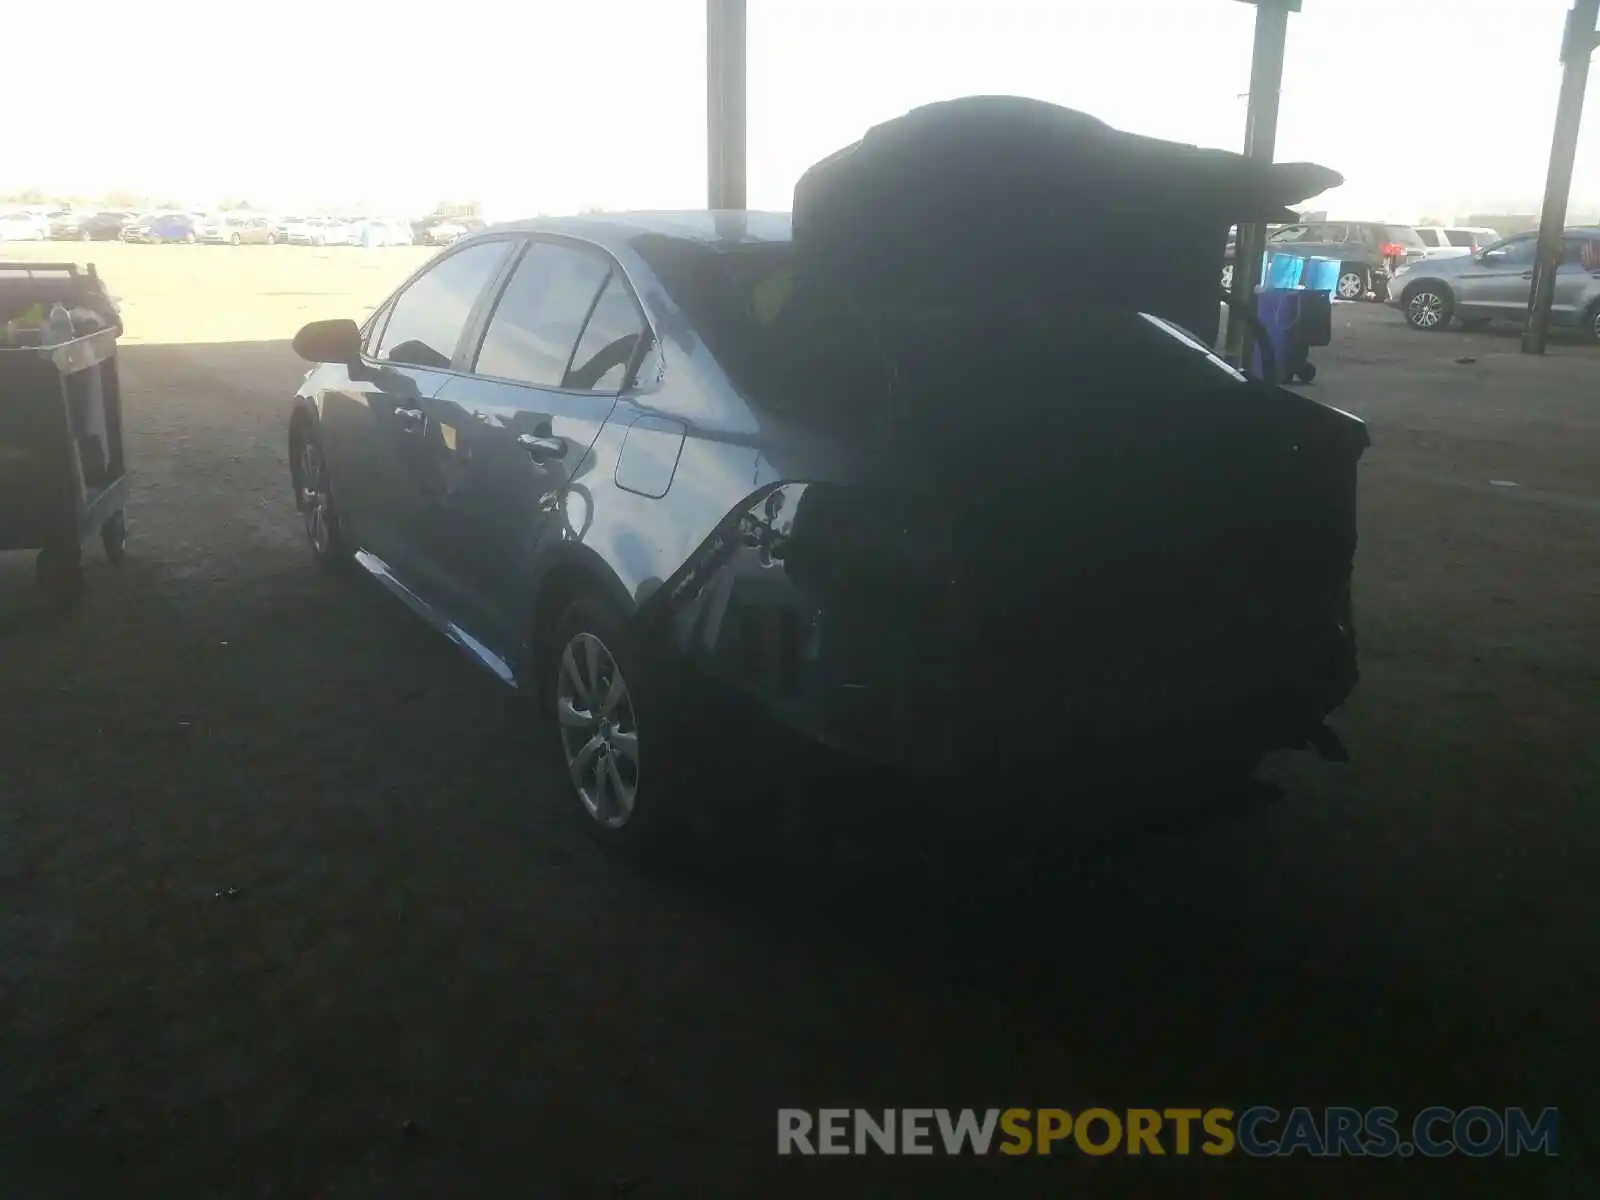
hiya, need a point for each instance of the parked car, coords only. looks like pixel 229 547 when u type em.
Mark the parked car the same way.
pixel 1444 241
pixel 1367 251
pixel 65 225
pixel 320 231
pixel 450 230
pixel 1497 283
pixel 18 225
pixel 1231 252
pixel 383 231
pixel 602 456
pixel 165 227
pixel 238 229
pixel 106 226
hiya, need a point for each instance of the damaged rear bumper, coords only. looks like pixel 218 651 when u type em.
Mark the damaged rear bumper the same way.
pixel 897 667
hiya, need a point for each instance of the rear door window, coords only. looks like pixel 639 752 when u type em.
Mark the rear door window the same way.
pixel 427 319
pixel 533 334
pixel 1463 237
pixel 1581 252
pixel 610 341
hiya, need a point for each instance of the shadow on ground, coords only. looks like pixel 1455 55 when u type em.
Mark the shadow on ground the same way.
pixel 293 907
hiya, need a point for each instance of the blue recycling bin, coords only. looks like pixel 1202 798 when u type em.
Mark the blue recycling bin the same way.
pixel 1284 270
pixel 1321 275
pixel 1294 320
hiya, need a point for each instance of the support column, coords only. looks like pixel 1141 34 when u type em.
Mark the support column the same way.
pixel 1260 142
pixel 1576 48
pixel 725 102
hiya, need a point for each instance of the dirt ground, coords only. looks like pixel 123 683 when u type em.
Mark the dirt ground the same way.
pixel 291 909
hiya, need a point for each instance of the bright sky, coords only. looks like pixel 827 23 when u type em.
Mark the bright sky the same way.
pixel 543 106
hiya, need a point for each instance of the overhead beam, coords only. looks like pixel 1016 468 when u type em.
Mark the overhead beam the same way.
pixel 1260 142
pixel 725 102
pixel 1577 46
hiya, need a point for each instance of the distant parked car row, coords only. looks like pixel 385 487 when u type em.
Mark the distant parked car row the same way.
pixel 345 231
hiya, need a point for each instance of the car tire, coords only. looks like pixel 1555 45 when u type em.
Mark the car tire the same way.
pixel 614 712
pixel 1227 277
pixel 1591 322
pixel 1428 307
pixel 236 240
pixel 314 499
pixel 1352 283
pixel 272 239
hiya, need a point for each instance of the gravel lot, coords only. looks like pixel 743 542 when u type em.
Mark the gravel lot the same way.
pixel 290 907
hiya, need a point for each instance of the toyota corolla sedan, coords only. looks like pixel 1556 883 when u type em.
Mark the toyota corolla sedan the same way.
pixel 627 461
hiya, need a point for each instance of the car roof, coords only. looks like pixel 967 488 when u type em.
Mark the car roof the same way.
pixel 614 231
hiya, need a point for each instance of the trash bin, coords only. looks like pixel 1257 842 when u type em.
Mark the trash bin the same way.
pixel 1321 275
pixel 1284 270
pixel 1294 320
pixel 63 471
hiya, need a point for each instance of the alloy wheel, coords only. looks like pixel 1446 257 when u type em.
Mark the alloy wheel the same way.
pixel 1425 310
pixel 316 505
pixel 1227 277
pixel 1351 286
pixel 599 730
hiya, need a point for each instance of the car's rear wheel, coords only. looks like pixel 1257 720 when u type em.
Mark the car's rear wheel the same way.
pixel 1591 322
pixel 1352 283
pixel 235 240
pixel 620 735
pixel 314 498
pixel 1428 308
pixel 272 239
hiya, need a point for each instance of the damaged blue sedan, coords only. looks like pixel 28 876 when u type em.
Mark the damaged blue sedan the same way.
pixel 930 471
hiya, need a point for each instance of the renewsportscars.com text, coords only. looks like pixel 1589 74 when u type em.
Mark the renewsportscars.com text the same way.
pixel 1260 1132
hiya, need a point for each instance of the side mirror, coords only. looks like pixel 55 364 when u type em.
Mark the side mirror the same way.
pixel 336 341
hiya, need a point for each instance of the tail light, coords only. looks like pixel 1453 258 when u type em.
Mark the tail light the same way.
pixel 1392 250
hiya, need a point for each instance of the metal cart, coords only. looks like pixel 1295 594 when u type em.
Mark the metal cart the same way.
pixel 63 466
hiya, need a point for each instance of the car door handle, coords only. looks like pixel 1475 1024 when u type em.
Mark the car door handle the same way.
pixel 410 419
pixel 542 448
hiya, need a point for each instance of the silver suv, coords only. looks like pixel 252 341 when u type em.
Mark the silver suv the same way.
pixel 1497 283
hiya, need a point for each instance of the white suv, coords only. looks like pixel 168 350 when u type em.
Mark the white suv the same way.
pixel 1455 241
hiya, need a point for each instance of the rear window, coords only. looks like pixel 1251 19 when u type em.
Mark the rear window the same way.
pixel 818 361
pixel 1465 237
pixel 1403 234
pixel 733 298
